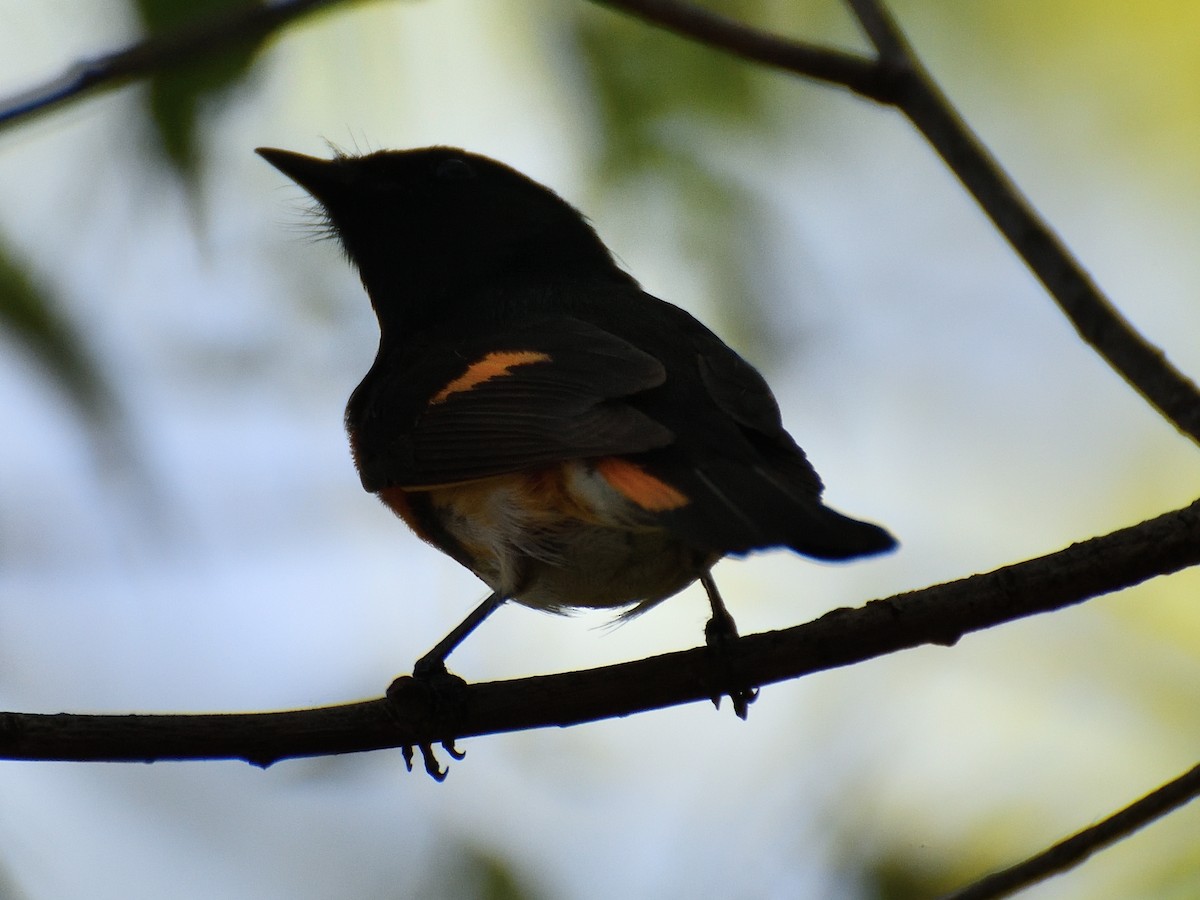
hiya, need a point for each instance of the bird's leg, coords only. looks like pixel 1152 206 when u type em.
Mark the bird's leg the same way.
pixel 719 634
pixel 720 628
pixel 433 663
pixel 440 691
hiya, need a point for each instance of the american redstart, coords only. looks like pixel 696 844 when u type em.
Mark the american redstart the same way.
pixel 531 412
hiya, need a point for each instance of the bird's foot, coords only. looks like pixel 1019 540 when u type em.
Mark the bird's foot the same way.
pixel 436 696
pixel 720 636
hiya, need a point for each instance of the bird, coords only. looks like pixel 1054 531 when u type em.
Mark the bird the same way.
pixel 535 415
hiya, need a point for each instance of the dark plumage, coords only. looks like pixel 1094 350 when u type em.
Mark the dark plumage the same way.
pixel 535 414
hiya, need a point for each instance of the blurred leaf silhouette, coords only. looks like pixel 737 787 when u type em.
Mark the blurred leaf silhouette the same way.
pixel 176 98
pixel 30 315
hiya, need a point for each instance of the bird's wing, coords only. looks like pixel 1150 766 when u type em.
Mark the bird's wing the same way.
pixel 756 488
pixel 541 392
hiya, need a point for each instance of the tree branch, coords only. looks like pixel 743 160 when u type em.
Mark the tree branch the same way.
pixel 900 80
pixel 1095 318
pixel 881 30
pixel 156 53
pixel 1074 850
pixel 858 73
pixel 935 615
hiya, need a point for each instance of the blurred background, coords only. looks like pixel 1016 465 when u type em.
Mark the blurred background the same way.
pixel 181 528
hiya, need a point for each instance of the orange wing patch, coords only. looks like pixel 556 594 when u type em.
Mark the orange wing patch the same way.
pixel 495 365
pixel 636 484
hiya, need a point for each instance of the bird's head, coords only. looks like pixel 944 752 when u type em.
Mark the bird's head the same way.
pixel 428 225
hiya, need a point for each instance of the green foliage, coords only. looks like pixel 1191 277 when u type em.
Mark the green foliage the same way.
pixel 664 106
pixel 643 78
pixel 901 877
pixel 497 880
pixel 27 313
pixel 472 873
pixel 176 97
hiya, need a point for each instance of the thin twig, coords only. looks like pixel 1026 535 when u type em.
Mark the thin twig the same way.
pixel 1074 850
pixel 881 30
pixel 935 615
pixel 155 54
pixel 858 73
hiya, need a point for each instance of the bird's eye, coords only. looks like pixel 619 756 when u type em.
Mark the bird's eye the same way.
pixel 454 169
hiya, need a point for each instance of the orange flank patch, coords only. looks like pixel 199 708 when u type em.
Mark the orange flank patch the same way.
pixel 397 501
pixel 636 484
pixel 495 365
pixel 548 490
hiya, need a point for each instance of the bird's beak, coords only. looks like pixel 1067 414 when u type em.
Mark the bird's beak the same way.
pixel 323 178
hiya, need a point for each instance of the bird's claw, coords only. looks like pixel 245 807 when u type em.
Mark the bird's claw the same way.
pixel 440 696
pixel 432 767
